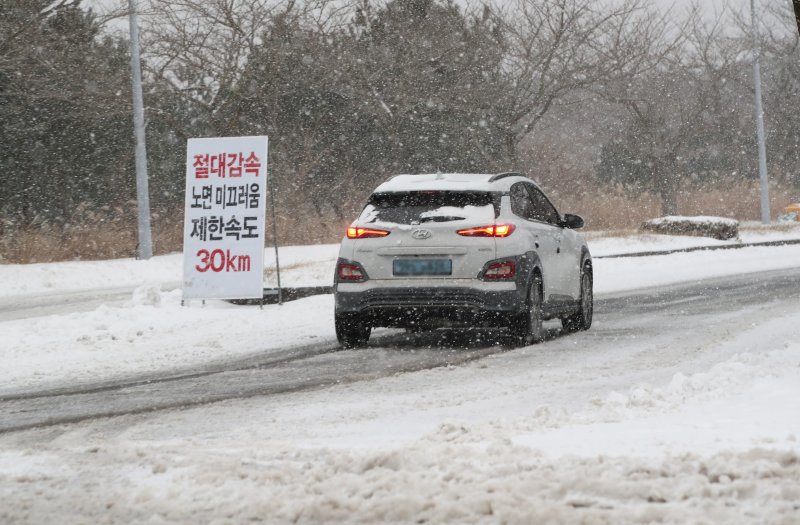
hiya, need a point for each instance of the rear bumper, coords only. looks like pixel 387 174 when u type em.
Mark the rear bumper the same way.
pixel 433 305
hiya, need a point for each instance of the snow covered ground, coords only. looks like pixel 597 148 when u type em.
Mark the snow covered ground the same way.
pixel 150 331
pixel 713 440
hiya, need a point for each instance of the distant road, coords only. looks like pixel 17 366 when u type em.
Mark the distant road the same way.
pixel 41 304
pixel 37 305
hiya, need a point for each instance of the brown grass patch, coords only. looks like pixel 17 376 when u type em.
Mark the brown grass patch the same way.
pixel 739 200
pixel 612 210
pixel 609 209
pixel 86 237
pixel 48 244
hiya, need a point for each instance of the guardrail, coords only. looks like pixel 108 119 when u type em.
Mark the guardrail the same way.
pixel 273 295
pixel 785 242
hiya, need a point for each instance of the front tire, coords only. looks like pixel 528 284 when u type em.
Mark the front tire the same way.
pixel 351 330
pixel 528 328
pixel 582 319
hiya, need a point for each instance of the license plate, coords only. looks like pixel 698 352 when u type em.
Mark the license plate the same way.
pixel 423 267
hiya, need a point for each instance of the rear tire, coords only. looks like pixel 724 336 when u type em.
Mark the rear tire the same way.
pixel 582 319
pixel 351 330
pixel 528 328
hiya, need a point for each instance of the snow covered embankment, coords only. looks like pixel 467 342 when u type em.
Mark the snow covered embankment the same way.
pixel 701 449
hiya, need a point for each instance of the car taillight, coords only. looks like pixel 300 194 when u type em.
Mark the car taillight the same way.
pixel 364 233
pixel 350 272
pixel 493 230
pixel 501 270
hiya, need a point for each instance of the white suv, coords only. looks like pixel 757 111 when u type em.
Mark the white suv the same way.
pixel 444 250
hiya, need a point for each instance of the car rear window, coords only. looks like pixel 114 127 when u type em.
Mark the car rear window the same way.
pixel 417 207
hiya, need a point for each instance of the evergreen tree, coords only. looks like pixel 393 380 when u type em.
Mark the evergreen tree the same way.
pixel 64 113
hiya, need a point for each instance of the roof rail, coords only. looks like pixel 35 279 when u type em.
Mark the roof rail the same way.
pixel 504 175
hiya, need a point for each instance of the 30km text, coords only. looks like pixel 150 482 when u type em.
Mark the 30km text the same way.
pixel 222 261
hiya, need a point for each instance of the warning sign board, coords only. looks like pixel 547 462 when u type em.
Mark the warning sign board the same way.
pixel 223 239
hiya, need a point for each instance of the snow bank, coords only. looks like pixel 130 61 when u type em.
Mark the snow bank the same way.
pixel 612 243
pixel 618 275
pixel 151 333
pixel 501 483
pixel 699 220
pixel 194 466
pixel 716 227
pixel 739 404
pixel 298 263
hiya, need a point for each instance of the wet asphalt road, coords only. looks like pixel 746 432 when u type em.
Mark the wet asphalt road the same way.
pixel 626 325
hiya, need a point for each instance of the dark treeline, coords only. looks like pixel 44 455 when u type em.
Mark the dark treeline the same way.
pixel 583 98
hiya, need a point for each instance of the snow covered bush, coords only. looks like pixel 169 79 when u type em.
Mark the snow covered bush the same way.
pixel 716 227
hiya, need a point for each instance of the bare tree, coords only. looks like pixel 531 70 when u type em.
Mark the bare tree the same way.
pixel 560 48
pixel 781 75
pixel 684 117
pixel 201 48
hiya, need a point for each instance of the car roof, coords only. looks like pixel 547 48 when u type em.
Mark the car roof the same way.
pixel 452 182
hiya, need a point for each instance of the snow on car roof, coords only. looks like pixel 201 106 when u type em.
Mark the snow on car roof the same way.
pixel 450 181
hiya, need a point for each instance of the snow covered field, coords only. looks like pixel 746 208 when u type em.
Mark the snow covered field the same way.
pixel 530 435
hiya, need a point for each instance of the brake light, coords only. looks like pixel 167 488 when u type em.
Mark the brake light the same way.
pixel 494 230
pixel 350 272
pixel 501 270
pixel 364 233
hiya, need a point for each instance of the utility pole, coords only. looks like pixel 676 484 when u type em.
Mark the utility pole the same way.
pixel 145 246
pixel 762 149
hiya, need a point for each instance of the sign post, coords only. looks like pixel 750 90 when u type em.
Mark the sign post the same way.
pixel 223 239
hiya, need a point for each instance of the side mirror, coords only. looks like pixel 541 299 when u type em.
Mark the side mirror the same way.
pixel 572 222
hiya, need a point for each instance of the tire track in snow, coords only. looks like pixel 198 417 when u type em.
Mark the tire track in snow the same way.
pixel 313 368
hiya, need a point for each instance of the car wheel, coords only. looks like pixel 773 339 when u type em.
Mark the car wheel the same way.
pixel 528 328
pixel 582 319
pixel 351 330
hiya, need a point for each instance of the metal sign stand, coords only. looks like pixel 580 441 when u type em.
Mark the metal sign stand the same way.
pixel 271 189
